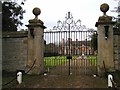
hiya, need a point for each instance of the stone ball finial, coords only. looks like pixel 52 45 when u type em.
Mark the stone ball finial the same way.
pixel 104 8
pixel 36 11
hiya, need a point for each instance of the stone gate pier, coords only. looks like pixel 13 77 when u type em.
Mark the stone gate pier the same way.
pixel 35 44
pixel 105 42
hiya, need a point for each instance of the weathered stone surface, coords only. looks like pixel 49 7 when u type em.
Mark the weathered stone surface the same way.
pixel 36 44
pixel 105 50
pixel 35 51
pixel 117 48
pixel 14 51
pixel 105 44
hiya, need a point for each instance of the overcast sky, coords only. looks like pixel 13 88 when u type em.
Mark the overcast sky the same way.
pixel 88 11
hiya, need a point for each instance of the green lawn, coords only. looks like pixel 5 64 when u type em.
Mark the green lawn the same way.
pixel 59 60
pixel 93 60
pixel 54 61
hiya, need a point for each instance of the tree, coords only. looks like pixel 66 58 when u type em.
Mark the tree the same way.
pixel 94 41
pixel 117 24
pixel 117 10
pixel 12 14
pixel 51 49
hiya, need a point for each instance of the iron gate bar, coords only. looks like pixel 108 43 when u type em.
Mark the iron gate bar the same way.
pixel 69 47
pixel 79 43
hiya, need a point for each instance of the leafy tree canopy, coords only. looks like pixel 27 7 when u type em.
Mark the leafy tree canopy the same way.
pixel 94 41
pixel 12 14
pixel 117 10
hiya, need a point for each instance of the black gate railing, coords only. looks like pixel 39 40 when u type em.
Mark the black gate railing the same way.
pixel 70 48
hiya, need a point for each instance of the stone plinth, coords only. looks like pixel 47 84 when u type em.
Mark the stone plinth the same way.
pixel 105 42
pixel 35 44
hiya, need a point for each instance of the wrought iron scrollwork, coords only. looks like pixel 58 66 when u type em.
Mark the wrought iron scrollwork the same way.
pixel 69 23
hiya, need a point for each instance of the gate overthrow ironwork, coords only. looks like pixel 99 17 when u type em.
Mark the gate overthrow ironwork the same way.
pixel 70 48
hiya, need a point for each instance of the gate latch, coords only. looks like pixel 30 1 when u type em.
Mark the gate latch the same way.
pixel 69 57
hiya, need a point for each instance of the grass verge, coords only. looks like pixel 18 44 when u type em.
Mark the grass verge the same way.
pixel 60 60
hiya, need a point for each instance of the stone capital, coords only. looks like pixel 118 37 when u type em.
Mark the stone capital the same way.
pixel 104 23
pixel 35 23
pixel 104 20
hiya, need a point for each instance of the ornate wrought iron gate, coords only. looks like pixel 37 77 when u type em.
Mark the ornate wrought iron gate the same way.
pixel 70 48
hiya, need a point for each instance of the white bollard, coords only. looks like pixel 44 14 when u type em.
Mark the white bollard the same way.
pixel 19 77
pixel 110 77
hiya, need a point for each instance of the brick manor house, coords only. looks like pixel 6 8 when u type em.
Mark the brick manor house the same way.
pixel 76 47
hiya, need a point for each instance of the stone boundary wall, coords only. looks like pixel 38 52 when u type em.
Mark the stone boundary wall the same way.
pixel 14 50
pixel 117 48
